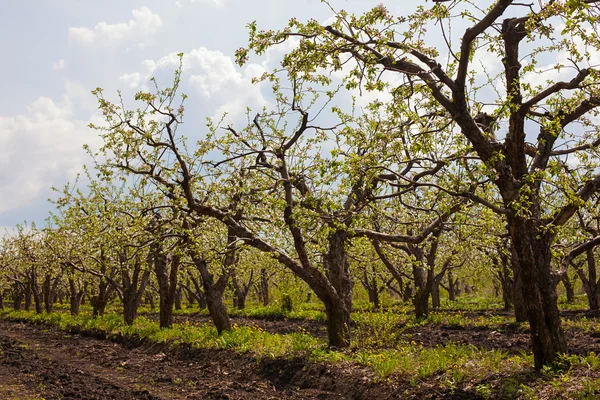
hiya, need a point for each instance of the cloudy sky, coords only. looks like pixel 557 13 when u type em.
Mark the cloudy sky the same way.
pixel 57 51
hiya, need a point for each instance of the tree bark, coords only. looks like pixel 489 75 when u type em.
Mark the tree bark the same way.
pixel 75 297
pixel 178 298
pixel 49 291
pixel 134 287
pixel 37 293
pixel 264 287
pixel 28 296
pixel 338 324
pixel 213 292
pixel 538 290
pixel 517 290
pixel 338 304
pixel 100 299
pixel 167 283
pixel 569 290
pixel 590 283
pixel 241 289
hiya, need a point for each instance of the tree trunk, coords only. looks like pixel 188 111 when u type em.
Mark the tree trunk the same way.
pixel 217 309
pixel 190 296
pixel 134 287
pixel 451 291
pixel 100 300
pixel 569 290
pixel 167 283
pixel 264 287
pixel 213 293
pixel 539 290
pixel 370 284
pixel 37 294
pixel 590 284
pixel 178 298
pixel 28 296
pixel 75 297
pixel 241 289
pixel 199 293
pixel 150 300
pixel 1 300
pixel 338 324
pixel 49 291
pixel 421 303
pixel 338 308
pixel 18 297
pixel 435 295
pixel 517 290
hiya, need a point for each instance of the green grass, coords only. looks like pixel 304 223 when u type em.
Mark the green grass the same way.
pixel 378 344
pixel 403 358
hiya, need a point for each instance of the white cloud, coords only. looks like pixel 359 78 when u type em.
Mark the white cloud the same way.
pixel 144 23
pixel 218 3
pixel 59 65
pixel 212 75
pixel 39 149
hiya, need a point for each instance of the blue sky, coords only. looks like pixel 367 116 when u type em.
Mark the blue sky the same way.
pixel 56 51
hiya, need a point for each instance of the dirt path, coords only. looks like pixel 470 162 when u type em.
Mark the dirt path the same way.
pixel 39 361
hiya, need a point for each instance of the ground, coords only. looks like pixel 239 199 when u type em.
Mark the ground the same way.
pixel 43 362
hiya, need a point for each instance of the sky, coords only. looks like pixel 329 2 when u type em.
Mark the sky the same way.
pixel 56 52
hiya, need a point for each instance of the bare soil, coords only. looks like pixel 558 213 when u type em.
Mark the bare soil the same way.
pixel 40 361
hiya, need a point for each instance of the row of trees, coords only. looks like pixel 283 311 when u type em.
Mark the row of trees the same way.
pixel 462 167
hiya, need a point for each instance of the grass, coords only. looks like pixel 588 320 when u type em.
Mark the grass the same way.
pixel 404 358
pixel 379 345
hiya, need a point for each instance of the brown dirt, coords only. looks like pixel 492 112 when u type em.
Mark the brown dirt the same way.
pixel 60 365
pixel 39 361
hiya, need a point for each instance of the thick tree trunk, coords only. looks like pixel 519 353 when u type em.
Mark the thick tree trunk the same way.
pixel 338 324
pixel 100 300
pixel 178 298
pixel 517 290
pixel 167 283
pixel 264 287
pixel 75 297
pixel 217 309
pixel 18 297
pixel 213 293
pixel 134 287
pixel 421 302
pixel 49 291
pixel 338 309
pixel 28 296
pixel 538 290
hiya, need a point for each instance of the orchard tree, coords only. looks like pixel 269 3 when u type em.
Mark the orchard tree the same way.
pixel 519 84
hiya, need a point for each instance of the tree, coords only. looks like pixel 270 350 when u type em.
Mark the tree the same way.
pixel 514 34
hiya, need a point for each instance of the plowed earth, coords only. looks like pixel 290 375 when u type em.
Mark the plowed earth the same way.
pixel 38 361
pixel 42 362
